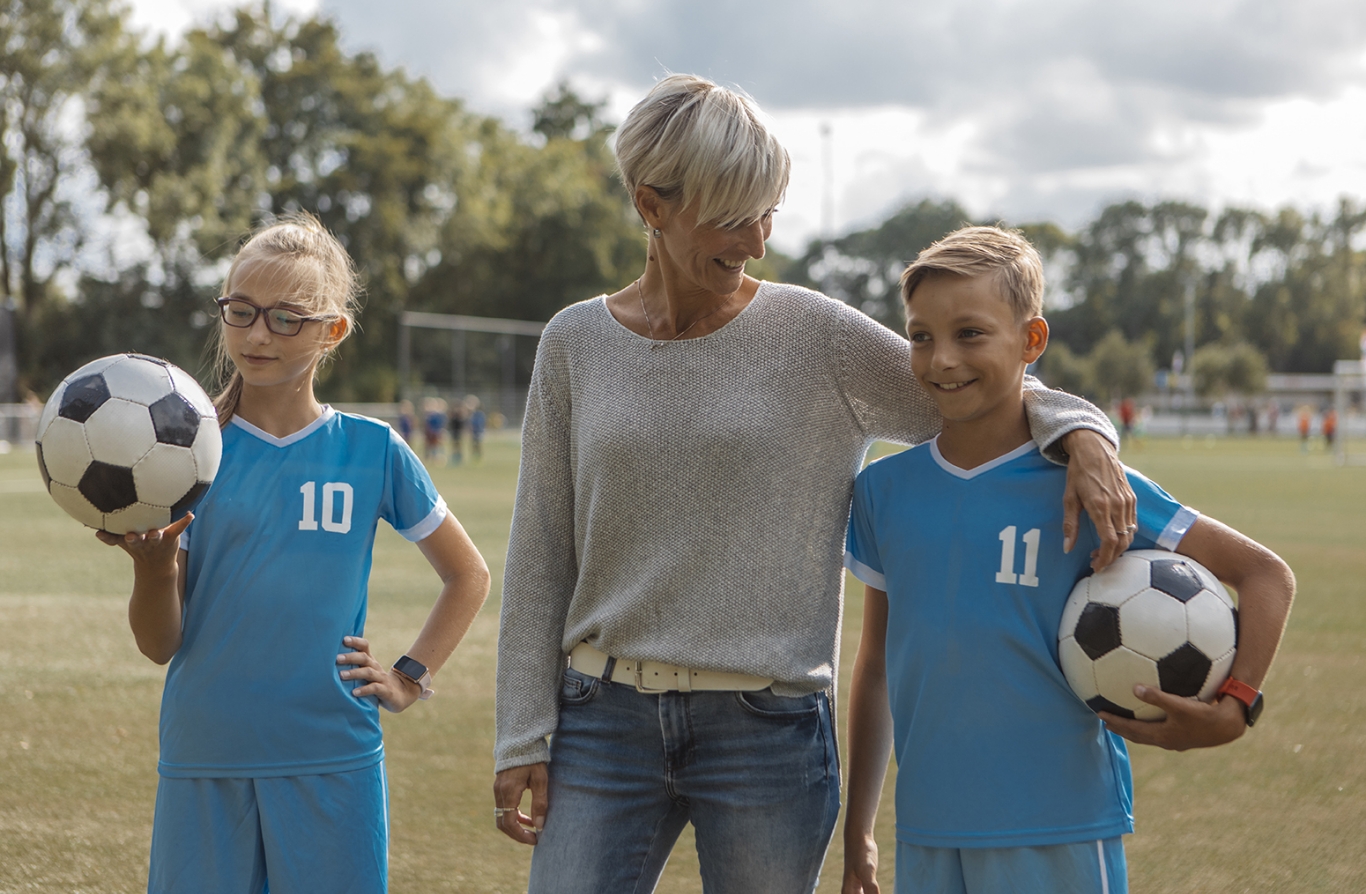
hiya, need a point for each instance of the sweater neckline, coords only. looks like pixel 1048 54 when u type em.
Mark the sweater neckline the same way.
pixel 601 301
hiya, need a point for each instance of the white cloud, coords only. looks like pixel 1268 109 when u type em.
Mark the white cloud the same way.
pixel 1025 110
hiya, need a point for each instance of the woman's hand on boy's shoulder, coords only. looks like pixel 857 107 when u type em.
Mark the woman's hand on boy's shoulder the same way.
pixel 1190 723
pixel 394 691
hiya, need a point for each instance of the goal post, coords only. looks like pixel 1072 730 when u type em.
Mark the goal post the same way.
pixel 458 325
pixel 1348 376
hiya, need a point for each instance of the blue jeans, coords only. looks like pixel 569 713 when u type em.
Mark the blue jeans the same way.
pixel 755 773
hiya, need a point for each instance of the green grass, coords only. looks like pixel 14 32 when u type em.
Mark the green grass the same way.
pixel 1280 810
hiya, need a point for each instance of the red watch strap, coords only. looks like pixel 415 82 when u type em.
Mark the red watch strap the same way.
pixel 1239 690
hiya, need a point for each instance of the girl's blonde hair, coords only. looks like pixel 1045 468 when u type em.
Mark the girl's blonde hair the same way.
pixel 314 268
pixel 693 141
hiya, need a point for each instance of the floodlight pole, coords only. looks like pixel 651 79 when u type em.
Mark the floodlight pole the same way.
pixel 1189 361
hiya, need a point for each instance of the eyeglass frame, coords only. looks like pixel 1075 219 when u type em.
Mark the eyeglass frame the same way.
pixel 227 299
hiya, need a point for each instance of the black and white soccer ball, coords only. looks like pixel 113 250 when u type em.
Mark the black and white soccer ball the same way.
pixel 128 443
pixel 1151 617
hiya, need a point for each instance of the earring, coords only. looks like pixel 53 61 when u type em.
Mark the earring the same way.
pixel 657 233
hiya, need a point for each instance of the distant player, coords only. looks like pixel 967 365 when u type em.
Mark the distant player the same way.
pixel 272 763
pixel 478 422
pixel 1007 781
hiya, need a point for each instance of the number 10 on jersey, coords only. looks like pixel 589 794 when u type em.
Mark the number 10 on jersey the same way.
pixel 1007 574
pixel 330 522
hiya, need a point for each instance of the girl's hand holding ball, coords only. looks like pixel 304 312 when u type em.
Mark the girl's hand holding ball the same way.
pixel 153 548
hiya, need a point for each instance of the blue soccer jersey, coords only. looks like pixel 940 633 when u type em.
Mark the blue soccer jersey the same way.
pixel 279 563
pixel 993 748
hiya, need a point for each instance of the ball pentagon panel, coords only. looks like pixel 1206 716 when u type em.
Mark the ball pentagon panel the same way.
pixel 174 420
pixel 108 488
pixel 1097 630
pixel 188 387
pixel 82 397
pixel 1176 577
pixel 1184 671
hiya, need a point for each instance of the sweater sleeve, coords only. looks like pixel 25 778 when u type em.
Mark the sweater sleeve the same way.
pixel 541 570
pixel 889 403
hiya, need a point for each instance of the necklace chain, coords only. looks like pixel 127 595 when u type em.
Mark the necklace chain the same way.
pixel 654 342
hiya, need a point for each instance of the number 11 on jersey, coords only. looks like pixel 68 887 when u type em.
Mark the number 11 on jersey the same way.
pixel 1031 563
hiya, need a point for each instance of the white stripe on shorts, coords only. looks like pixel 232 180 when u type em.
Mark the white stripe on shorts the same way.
pixel 1104 870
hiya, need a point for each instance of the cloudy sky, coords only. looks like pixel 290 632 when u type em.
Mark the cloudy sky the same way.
pixel 1021 109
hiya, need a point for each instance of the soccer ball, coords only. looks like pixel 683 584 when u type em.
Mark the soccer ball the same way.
pixel 128 443
pixel 1152 617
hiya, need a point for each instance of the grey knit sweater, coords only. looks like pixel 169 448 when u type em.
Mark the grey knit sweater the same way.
pixel 686 501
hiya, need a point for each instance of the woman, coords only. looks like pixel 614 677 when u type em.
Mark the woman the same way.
pixel 687 460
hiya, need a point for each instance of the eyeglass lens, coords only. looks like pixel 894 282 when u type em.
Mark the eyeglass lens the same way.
pixel 242 314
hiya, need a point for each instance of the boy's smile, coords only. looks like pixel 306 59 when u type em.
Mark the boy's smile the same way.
pixel 970 353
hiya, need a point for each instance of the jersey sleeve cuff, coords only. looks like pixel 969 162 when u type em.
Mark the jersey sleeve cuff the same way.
pixel 861 571
pixel 424 529
pixel 1181 522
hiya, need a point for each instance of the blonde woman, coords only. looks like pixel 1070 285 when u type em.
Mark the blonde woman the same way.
pixel 671 607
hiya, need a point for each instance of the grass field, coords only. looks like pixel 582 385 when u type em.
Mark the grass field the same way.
pixel 1282 810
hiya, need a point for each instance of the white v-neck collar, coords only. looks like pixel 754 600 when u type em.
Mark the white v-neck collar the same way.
pixel 294 438
pixel 1024 449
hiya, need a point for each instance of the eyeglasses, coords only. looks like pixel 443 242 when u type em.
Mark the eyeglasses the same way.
pixel 241 314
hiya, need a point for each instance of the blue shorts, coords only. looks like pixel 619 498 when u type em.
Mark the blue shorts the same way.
pixel 1087 867
pixel 273 835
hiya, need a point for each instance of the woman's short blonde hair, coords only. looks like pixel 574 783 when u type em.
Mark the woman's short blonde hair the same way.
pixel 978 251
pixel 693 141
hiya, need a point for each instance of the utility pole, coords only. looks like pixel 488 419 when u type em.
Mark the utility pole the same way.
pixel 827 182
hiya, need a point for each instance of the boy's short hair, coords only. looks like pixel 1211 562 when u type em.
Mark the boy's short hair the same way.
pixel 976 251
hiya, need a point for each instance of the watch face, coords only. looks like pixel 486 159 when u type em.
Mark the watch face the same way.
pixel 410 668
pixel 1254 710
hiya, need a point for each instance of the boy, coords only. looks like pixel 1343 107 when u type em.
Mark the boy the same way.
pixel 1008 782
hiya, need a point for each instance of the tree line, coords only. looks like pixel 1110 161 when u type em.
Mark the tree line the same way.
pixel 1283 291
pixel 132 167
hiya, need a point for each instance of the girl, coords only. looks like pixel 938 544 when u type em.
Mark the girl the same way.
pixel 272 773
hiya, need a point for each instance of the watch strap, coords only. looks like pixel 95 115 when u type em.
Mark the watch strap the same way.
pixel 416 671
pixel 1251 698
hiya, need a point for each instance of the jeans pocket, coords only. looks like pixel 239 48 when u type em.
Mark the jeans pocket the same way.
pixel 577 688
pixel 763 703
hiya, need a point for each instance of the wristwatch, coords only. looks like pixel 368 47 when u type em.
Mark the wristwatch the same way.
pixel 1251 698
pixel 412 669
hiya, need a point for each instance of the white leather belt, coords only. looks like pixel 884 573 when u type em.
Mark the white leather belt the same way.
pixel 656 676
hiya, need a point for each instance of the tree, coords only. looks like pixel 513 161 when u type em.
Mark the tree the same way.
pixel 53 52
pixel 863 268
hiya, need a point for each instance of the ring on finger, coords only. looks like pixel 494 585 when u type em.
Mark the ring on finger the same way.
pixel 1131 529
pixel 499 812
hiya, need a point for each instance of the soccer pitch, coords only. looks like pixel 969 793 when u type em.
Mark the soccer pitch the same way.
pixel 1280 810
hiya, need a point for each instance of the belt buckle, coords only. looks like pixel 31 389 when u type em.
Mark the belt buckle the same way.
pixel 640 680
